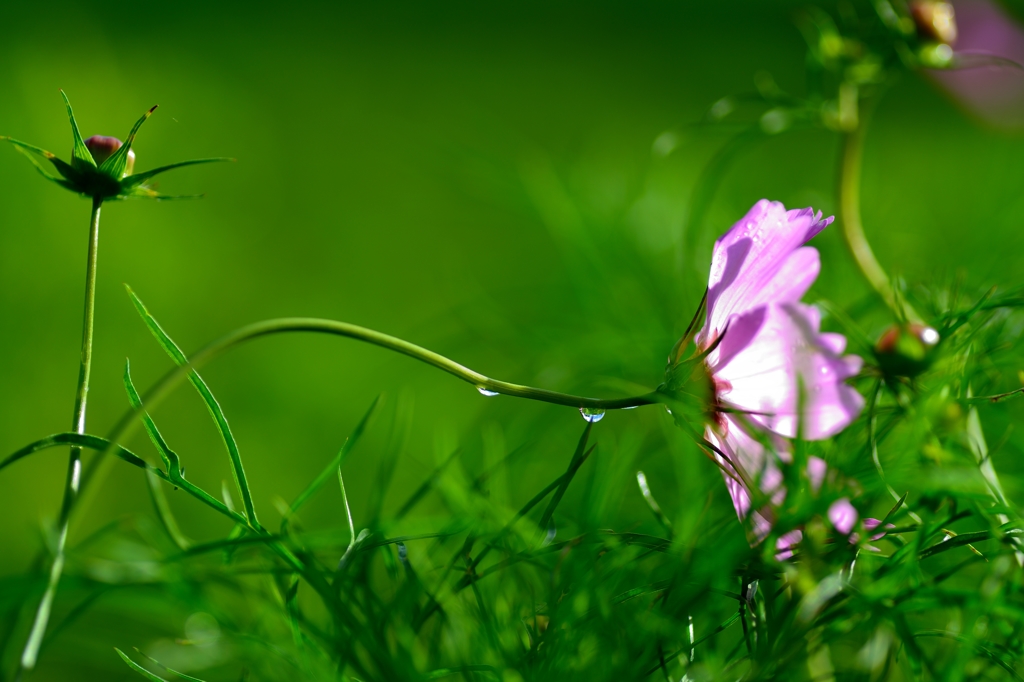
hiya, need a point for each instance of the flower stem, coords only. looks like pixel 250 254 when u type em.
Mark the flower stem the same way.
pixel 74 477
pixel 853 229
pixel 129 422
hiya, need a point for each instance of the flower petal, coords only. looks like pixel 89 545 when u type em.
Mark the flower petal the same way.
pixel 749 258
pixel 775 352
pixel 747 463
pixel 751 463
pixel 843 516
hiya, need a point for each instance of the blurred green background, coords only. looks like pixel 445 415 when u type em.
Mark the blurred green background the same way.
pixel 482 179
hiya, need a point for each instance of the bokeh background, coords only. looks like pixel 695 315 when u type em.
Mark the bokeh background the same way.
pixel 507 184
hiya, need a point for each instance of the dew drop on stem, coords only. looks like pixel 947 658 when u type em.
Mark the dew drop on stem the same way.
pixel 591 415
pixel 484 391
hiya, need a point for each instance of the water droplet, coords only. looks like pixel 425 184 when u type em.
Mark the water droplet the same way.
pixel 668 409
pixel 592 415
pixel 631 407
pixel 929 336
pixel 484 391
pixel 403 553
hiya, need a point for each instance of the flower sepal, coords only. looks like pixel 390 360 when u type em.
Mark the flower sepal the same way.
pixel 101 167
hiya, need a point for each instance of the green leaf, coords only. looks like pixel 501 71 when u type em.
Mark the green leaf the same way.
pixel 230 543
pixel 578 457
pixel 164 513
pixel 170 460
pixel 212 405
pixel 169 457
pixel 145 673
pixel 138 668
pixel 137 179
pixel 425 487
pixel 338 459
pixel 31 152
pixel 144 192
pixel 79 439
pixel 116 163
pixel 80 154
pixel 399 437
pixel 173 475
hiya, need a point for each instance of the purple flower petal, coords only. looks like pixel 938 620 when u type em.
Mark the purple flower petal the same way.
pixel 751 264
pixel 843 516
pixel 772 363
pixel 785 544
pixel 992 90
pixel 816 470
pixel 748 462
pixel 768 355
pixel 872 524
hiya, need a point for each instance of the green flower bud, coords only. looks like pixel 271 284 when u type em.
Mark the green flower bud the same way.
pixel 101 167
pixel 103 147
pixel 906 350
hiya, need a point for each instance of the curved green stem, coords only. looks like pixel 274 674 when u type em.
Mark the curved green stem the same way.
pixel 74 477
pixel 129 422
pixel 853 229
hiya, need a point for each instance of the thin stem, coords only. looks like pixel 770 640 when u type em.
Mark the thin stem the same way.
pixel 74 477
pixel 129 422
pixel 853 229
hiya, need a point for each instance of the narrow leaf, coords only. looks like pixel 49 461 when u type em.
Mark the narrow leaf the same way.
pixel 116 163
pixel 163 512
pixel 169 457
pixel 79 439
pixel 80 154
pixel 137 179
pixel 144 192
pixel 31 152
pixel 338 460
pixel 578 457
pixel 212 405
pixel 425 486
pixel 138 668
pixel 163 667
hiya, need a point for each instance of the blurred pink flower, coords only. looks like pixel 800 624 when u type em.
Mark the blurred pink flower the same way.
pixel 843 516
pixel 986 84
pixel 774 373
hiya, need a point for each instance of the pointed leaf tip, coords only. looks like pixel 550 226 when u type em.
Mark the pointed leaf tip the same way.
pixel 80 154
pixel 117 162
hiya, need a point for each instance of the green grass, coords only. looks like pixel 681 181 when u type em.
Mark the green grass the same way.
pixel 409 528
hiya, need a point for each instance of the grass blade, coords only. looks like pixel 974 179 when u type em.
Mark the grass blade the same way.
pixel 578 457
pixel 138 668
pixel 212 405
pixel 338 460
pixel 79 439
pixel 163 512
pixel 180 676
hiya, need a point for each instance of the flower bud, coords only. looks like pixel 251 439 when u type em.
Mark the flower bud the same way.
pixel 102 146
pixel 906 350
pixel 934 20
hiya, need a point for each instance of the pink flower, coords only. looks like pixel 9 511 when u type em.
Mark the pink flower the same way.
pixel 768 358
pixel 988 85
